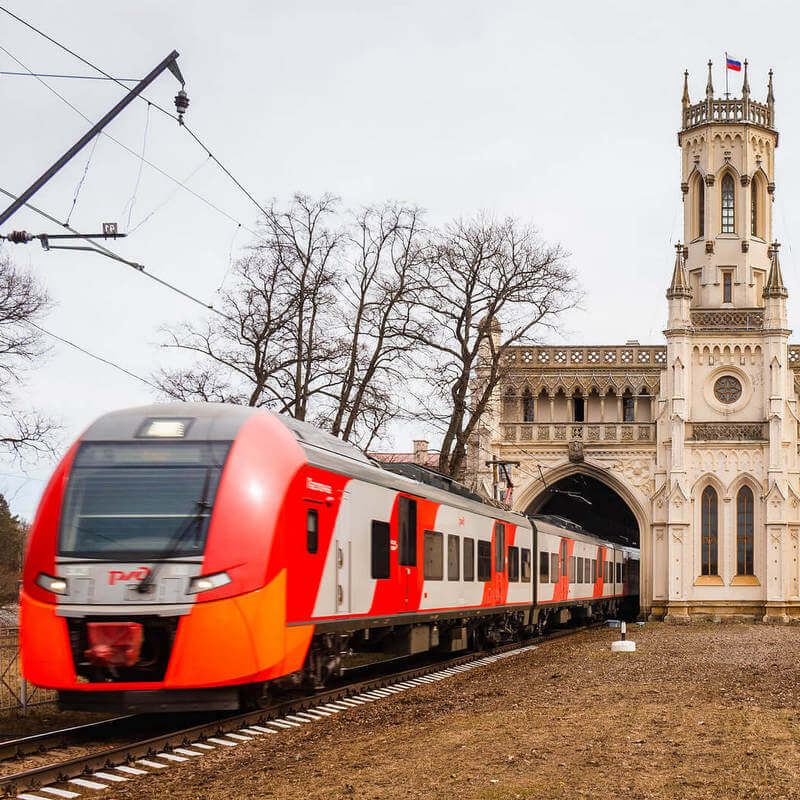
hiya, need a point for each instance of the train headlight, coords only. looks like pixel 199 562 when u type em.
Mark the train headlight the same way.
pixel 202 583
pixel 51 584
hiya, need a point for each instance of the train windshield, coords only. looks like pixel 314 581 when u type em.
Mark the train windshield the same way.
pixel 140 499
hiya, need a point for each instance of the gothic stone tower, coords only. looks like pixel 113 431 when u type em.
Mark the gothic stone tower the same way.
pixel 725 518
pixel 690 449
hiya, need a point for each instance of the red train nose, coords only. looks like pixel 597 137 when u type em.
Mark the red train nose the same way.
pixel 114 644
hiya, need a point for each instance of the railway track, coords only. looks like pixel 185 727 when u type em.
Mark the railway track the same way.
pixel 90 770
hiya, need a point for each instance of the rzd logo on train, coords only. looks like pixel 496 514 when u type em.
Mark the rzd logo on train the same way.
pixel 116 575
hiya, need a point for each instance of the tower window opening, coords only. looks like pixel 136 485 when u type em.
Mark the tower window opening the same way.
pixel 753 209
pixel 578 409
pixel 701 207
pixel 709 531
pixel 744 531
pixel 627 409
pixel 727 287
pixel 728 204
pixel 527 406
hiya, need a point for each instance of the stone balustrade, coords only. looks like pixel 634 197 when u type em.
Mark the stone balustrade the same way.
pixel 587 432
pixel 732 110
pixel 582 357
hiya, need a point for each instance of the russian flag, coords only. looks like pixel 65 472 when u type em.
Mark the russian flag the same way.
pixel 733 64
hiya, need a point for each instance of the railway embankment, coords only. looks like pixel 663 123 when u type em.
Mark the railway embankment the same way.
pixel 702 711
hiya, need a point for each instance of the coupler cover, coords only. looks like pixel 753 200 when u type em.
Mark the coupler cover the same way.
pixel 114 644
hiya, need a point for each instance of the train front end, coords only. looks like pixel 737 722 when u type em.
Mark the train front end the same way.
pixel 150 581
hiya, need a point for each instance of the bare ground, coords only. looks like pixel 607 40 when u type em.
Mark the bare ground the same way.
pixel 705 711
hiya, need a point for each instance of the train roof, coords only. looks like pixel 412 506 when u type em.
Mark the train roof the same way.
pixel 222 421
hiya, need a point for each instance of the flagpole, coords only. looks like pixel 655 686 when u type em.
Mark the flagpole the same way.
pixel 727 93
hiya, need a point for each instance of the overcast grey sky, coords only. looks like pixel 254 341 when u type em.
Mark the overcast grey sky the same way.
pixel 561 114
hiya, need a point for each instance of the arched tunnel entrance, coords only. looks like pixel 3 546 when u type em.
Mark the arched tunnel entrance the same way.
pixel 591 504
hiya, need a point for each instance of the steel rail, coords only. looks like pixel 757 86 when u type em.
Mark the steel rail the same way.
pixel 36 777
pixel 64 737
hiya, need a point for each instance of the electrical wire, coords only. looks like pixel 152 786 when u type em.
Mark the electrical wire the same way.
pixel 93 355
pixel 136 155
pixel 164 111
pixel 99 248
pixel 83 178
pixel 132 202
pixel 59 75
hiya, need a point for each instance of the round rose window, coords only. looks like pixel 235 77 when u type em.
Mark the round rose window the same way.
pixel 727 389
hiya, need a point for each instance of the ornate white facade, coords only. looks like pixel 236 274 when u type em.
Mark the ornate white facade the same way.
pixel 699 437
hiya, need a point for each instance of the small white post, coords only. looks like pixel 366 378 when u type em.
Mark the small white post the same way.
pixel 623 645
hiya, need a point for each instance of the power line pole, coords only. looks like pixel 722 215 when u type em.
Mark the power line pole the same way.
pixel 168 63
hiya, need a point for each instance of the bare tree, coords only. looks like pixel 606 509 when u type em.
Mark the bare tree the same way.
pixel 376 300
pixel 22 302
pixel 490 285
pixel 316 323
pixel 273 345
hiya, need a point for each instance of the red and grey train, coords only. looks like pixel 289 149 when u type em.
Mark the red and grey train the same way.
pixel 190 556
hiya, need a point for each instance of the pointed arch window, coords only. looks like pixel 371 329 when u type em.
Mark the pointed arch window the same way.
pixel 744 531
pixel 754 208
pixel 708 542
pixel 527 406
pixel 701 207
pixel 728 205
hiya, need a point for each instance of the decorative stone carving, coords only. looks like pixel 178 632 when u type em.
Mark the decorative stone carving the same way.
pixel 560 432
pixel 526 432
pixel 543 433
pixel 709 246
pixel 737 431
pixel 745 245
pixel 627 434
pixel 751 319
pixel 745 180
pixel 576 451
pixel 644 433
pixel 610 432
pixel 594 433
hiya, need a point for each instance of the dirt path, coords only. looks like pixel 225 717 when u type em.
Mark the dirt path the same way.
pixel 707 711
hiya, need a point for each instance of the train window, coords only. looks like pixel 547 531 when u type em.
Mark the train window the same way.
pixel 607 571
pixel 513 563
pixel 407 524
pixel 525 569
pixel 587 571
pixel 469 559
pixel 619 573
pixel 624 576
pixel 433 556
pixel 453 558
pixel 594 571
pixel 564 558
pixel 381 544
pixel 579 575
pixel 572 569
pixel 312 530
pixel 484 560
pixel 499 547
pixel 553 567
pixel 544 567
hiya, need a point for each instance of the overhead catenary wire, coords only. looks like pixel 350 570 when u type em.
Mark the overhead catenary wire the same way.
pixel 83 178
pixel 159 170
pixel 163 110
pixel 96 357
pixel 103 250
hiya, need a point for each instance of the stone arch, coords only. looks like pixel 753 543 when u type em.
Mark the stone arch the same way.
pixel 534 491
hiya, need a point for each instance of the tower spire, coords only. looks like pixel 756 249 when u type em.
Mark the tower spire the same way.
pixel 745 83
pixel 710 84
pixel 685 99
pixel 775 286
pixel 679 285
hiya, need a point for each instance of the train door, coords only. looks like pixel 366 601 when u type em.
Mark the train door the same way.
pixel 343 557
pixel 499 562
pixel 407 549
